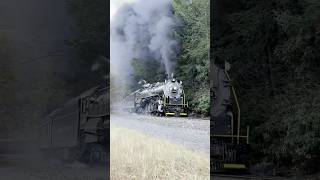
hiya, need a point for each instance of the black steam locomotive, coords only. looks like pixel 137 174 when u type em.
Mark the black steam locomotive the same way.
pixel 79 129
pixel 229 149
pixel 161 98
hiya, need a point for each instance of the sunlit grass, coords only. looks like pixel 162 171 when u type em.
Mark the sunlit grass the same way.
pixel 138 156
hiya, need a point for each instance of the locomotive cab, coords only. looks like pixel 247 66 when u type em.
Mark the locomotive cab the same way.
pixel 229 146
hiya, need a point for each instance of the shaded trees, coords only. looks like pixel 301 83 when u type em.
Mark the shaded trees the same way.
pixel 91 40
pixel 192 31
pixel 7 86
pixel 193 61
pixel 274 49
pixel 149 70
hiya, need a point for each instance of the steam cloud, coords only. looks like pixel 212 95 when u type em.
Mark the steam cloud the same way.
pixel 143 30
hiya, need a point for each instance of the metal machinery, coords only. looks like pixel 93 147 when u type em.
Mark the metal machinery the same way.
pixel 80 128
pixel 161 98
pixel 228 147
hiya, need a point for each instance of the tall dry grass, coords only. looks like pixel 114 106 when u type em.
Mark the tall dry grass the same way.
pixel 135 156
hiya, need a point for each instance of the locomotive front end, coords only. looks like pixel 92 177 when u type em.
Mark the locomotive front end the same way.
pixel 161 98
pixel 174 100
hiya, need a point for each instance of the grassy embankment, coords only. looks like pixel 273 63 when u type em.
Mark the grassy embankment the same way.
pixel 138 156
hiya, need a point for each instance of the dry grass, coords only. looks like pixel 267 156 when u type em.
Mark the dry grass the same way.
pixel 141 157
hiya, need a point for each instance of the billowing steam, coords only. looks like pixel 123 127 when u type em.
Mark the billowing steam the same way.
pixel 143 30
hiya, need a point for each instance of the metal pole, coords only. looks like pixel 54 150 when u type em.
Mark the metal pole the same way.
pixel 238 106
pixel 248 134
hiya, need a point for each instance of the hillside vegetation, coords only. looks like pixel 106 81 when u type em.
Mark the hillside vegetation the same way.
pixel 274 49
pixel 192 31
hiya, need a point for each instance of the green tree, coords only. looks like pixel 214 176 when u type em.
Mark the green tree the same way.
pixel 273 47
pixel 91 42
pixel 149 70
pixel 7 87
pixel 193 61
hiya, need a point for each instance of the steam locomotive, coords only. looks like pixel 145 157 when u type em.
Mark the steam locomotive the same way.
pixel 80 129
pixel 229 149
pixel 161 98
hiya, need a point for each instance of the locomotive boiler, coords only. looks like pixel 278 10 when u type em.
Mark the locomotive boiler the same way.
pixel 229 148
pixel 80 129
pixel 161 98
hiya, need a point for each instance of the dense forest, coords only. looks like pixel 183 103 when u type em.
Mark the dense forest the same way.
pixel 61 52
pixel 91 40
pixel 7 77
pixel 192 63
pixel 33 61
pixel 274 49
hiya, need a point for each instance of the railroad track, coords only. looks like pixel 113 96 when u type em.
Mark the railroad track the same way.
pixel 234 177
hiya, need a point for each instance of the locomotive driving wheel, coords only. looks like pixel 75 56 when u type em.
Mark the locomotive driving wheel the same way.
pixel 95 153
pixel 149 108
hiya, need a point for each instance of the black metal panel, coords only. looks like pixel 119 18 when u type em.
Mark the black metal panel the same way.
pixel 65 125
pixel 222 125
pixel 45 133
pixel 221 102
pixel 83 114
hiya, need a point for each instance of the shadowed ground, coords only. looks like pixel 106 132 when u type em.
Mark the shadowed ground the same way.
pixel 22 160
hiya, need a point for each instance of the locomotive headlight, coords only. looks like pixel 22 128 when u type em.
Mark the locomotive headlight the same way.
pixel 174 89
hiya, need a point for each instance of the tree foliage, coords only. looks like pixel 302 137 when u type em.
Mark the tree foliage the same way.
pixel 7 80
pixel 193 61
pixel 148 70
pixel 274 50
pixel 92 37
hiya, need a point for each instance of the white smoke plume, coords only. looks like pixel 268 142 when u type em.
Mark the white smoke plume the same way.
pixel 143 30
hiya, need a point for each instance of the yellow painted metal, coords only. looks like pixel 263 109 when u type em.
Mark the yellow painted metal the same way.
pixel 234 166
pixel 248 128
pixel 184 99
pixel 232 130
pixel 234 136
pixel 238 107
pixel 170 113
pixel 230 136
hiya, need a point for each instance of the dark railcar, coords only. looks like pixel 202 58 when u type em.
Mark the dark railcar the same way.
pixel 80 128
pixel 229 149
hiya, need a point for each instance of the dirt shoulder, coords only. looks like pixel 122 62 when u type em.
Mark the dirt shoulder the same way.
pixel 192 133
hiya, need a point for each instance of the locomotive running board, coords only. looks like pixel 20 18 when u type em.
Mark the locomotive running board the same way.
pixel 172 114
pixel 234 166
